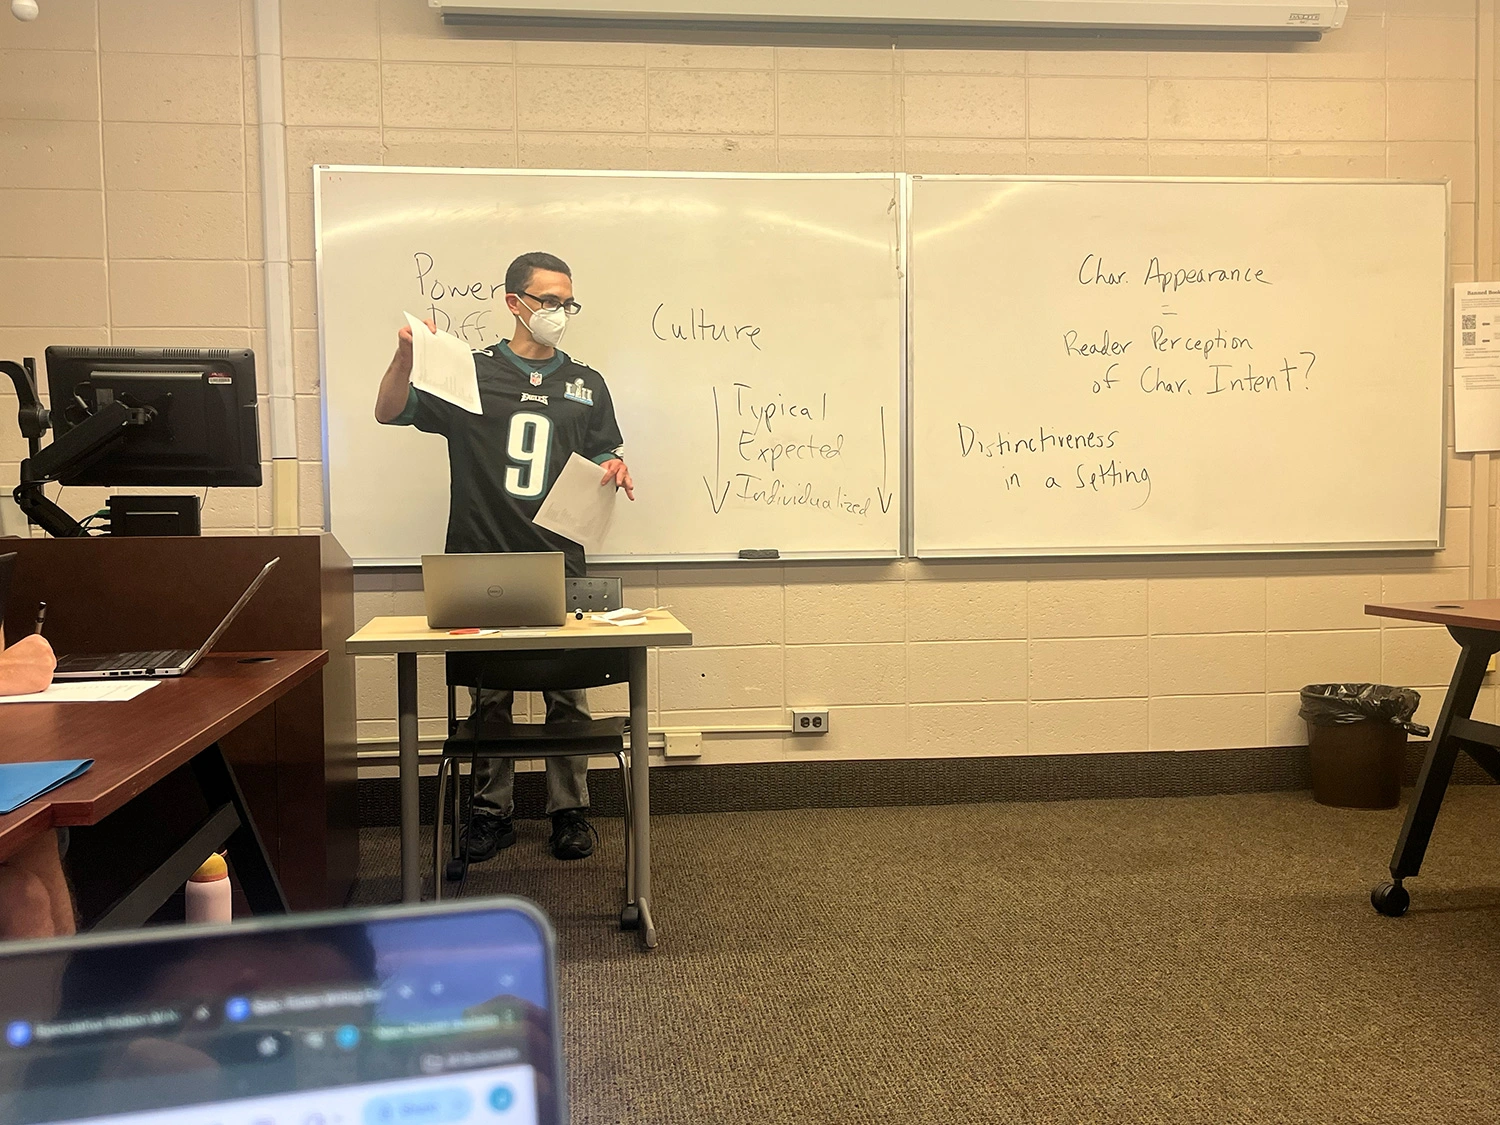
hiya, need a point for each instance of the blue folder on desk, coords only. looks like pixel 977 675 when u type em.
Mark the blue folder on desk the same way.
pixel 25 781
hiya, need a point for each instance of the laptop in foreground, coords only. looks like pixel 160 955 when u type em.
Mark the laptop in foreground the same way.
pixel 522 590
pixel 163 662
pixel 433 1014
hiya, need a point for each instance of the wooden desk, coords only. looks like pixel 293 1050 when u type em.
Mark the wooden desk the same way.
pixel 406 637
pixel 295 761
pixel 138 744
pixel 1475 625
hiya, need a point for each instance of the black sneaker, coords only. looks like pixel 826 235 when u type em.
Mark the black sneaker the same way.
pixel 488 835
pixel 572 835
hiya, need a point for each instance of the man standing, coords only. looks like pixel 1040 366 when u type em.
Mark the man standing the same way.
pixel 539 408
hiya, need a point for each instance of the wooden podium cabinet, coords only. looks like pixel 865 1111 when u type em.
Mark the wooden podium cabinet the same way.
pixel 296 760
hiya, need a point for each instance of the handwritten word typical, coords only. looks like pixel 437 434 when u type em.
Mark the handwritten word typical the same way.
pixel 768 412
pixel 699 327
pixel 1043 441
pixel 1171 278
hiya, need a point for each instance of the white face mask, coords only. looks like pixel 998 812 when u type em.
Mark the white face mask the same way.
pixel 546 325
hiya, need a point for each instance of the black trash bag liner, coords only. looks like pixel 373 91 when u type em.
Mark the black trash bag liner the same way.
pixel 1336 705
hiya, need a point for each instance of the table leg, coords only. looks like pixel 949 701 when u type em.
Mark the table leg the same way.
pixel 247 852
pixel 640 791
pixel 410 779
pixel 1421 815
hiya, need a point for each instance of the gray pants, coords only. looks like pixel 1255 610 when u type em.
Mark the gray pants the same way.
pixel 495 778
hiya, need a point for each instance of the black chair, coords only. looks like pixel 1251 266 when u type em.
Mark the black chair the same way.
pixel 565 669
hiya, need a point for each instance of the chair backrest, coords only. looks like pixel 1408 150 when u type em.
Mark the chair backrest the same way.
pixel 564 670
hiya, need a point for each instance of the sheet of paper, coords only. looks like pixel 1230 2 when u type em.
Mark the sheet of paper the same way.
pixel 24 781
pixel 1476 409
pixel 578 507
pixel 1476 367
pixel 443 365
pixel 86 691
pixel 1476 324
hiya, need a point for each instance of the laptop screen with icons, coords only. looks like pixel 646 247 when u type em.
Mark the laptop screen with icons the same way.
pixel 404 1015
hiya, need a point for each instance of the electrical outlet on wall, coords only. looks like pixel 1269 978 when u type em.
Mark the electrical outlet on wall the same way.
pixel 684 744
pixel 809 722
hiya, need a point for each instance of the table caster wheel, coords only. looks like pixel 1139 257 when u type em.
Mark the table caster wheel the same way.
pixel 630 917
pixel 453 871
pixel 1390 899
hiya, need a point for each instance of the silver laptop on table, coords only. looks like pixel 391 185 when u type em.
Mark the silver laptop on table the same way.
pixel 165 662
pixel 505 591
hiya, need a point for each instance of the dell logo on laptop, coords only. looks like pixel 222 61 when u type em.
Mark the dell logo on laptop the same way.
pixel 496 591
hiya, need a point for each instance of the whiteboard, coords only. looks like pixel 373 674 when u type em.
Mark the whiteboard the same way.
pixel 1072 392
pixel 749 328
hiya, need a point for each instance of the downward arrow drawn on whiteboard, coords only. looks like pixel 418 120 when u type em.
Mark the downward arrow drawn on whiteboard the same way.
pixel 717 500
pixel 885 497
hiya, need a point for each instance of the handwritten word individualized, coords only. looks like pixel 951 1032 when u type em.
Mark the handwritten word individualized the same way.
pixel 779 493
pixel 699 327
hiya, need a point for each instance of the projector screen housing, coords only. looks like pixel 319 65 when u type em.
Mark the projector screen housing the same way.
pixel 1260 18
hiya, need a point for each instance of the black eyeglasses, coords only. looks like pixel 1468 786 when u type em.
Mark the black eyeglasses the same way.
pixel 552 304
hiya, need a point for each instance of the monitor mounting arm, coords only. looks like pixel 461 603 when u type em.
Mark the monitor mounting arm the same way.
pixel 73 451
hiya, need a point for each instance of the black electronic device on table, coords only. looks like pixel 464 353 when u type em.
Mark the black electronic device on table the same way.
pixel 156 417
pixel 154 515
pixel 438 1014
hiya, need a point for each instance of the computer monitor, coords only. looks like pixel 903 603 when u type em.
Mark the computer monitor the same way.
pixel 202 432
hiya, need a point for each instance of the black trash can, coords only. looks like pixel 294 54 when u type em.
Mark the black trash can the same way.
pixel 1356 738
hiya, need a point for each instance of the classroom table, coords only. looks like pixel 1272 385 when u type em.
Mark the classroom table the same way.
pixel 1475 625
pixel 137 745
pixel 407 637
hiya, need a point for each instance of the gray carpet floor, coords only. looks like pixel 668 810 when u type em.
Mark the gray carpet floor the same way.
pixel 1207 959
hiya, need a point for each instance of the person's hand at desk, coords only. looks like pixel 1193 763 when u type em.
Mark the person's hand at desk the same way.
pixel 34 898
pixel 26 666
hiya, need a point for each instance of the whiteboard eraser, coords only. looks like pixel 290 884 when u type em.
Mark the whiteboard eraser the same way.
pixel 760 553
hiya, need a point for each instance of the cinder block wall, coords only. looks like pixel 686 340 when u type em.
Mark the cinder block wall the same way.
pixel 129 213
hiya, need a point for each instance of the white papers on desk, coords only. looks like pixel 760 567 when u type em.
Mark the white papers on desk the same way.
pixel 623 617
pixel 86 691
pixel 578 507
pixel 1476 367
pixel 443 365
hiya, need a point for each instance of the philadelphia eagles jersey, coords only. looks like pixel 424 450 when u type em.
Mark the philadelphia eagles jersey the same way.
pixel 537 413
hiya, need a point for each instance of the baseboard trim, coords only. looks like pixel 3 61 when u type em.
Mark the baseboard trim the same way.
pixel 923 781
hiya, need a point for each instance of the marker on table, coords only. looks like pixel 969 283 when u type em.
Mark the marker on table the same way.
pixel 41 616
